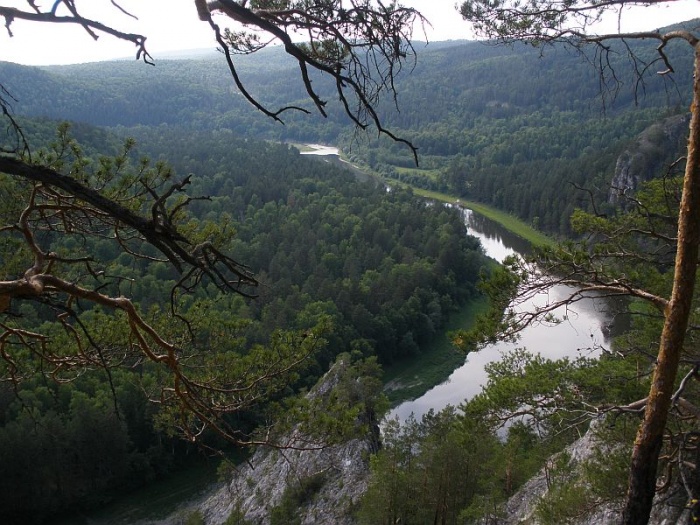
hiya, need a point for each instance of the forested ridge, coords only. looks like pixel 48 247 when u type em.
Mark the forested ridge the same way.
pixel 382 270
pixel 376 272
pixel 496 124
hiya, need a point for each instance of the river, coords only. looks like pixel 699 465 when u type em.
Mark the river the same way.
pixel 331 155
pixel 583 331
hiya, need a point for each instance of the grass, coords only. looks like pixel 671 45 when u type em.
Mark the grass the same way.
pixel 411 378
pixel 506 220
pixel 303 148
pixel 428 174
pixel 509 222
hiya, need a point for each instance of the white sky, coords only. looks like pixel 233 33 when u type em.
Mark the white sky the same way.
pixel 172 25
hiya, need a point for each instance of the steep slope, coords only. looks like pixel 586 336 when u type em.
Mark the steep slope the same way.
pixel 312 487
pixel 646 155
pixel 292 486
pixel 522 506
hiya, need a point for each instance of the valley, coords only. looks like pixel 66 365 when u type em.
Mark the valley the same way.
pixel 180 273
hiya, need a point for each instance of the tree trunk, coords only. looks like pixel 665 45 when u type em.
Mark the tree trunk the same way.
pixel 645 455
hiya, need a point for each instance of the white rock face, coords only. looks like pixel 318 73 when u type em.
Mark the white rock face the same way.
pixel 520 508
pixel 340 473
pixel 644 158
pixel 259 487
pixel 337 476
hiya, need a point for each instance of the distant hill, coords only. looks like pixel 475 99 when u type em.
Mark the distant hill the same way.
pixel 186 54
pixel 453 82
pixel 507 125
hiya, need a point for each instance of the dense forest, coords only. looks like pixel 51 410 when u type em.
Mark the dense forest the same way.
pixel 384 269
pixel 376 272
pixel 458 465
pixel 502 126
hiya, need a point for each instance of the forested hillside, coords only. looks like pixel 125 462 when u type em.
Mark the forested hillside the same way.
pixel 497 124
pixel 380 270
pixel 193 93
pixel 342 265
pixel 505 126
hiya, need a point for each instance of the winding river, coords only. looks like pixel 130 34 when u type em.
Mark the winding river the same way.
pixel 585 328
pixel 582 332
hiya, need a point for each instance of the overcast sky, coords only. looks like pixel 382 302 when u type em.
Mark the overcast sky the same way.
pixel 172 25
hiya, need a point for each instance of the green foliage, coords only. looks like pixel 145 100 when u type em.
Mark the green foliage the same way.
pixel 66 446
pixel 566 503
pixel 380 265
pixel 348 404
pixel 645 232
pixel 505 127
pixel 379 272
pixel 427 470
pixel 576 491
pixel 553 396
pixel 409 379
pixel 194 518
pixel 237 517
pixel 345 266
pixel 525 151
pixel 629 251
pixel 296 496
pixel 499 285
pixel 461 465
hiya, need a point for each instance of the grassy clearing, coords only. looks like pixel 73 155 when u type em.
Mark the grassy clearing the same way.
pixel 510 223
pixel 428 174
pixel 410 379
pixel 506 220
pixel 303 148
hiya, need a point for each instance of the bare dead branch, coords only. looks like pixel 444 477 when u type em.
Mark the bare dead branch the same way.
pixel 92 27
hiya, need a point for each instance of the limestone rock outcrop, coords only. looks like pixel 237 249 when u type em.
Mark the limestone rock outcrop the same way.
pixel 648 155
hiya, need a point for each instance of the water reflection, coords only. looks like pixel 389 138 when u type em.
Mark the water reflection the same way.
pixel 582 330
pixel 498 242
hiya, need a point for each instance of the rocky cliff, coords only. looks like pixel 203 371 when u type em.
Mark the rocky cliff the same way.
pixel 315 486
pixel 301 484
pixel 649 155
pixel 304 487
pixel 521 507
pixel 324 486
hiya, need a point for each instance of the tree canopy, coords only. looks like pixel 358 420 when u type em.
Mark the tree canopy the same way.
pixel 340 264
pixel 61 192
pixel 551 21
pixel 361 46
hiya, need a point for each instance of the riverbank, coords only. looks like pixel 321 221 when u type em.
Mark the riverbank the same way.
pixel 507 221
pixel 410 379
